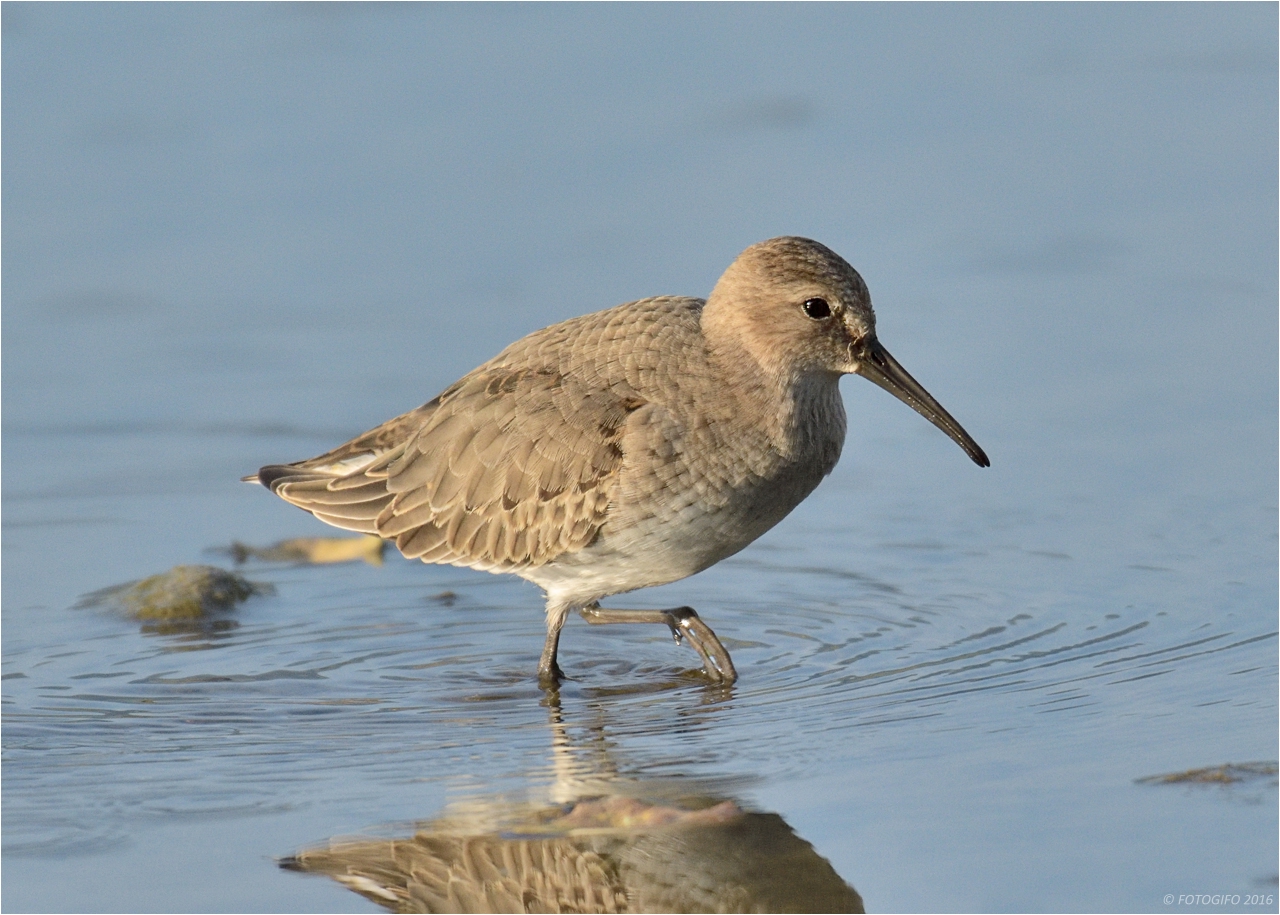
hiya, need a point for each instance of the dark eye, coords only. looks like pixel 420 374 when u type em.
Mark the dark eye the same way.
pixel 817 308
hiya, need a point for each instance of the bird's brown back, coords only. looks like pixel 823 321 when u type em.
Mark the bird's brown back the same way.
pixel 518 461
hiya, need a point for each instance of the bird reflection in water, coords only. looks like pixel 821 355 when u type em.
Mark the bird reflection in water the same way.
pixel 601 843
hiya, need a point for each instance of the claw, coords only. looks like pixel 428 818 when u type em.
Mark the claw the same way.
pixel 685 625
pixel 715 659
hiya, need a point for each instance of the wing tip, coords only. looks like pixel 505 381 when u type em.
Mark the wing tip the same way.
pixel 271 475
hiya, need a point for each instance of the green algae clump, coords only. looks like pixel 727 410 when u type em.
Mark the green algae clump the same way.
pixel 315 550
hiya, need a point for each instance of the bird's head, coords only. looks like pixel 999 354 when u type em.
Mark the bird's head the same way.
pixel 798 310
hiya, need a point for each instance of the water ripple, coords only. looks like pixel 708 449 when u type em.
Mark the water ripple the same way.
pixel 391 684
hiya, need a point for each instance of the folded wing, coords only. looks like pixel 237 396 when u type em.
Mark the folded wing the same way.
pixel 507 469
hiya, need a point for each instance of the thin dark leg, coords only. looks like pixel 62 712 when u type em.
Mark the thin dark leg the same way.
pixel 549 672
pixel 684 623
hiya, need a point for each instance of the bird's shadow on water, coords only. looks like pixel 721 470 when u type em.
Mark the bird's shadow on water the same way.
pixel 593 837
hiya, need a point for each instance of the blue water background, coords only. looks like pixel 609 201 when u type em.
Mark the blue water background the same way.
pixel 239 234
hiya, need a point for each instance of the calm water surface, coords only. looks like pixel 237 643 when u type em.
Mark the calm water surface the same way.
pixel 237 235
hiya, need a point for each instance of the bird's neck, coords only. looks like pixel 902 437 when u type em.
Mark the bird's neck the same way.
pixel 801 412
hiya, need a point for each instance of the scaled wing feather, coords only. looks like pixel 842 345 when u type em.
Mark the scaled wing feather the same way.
pixel 509 468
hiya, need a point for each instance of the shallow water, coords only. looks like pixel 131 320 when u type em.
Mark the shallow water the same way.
pixel 239 235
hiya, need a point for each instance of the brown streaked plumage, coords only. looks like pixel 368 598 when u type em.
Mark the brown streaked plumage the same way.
pixel 605 854
pixel 626 448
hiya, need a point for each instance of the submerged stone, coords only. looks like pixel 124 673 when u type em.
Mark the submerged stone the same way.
pixel 1215 775
pixel 182 593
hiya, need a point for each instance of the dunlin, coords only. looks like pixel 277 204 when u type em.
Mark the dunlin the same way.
pixel 626 448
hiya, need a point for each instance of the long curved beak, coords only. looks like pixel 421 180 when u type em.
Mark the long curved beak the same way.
pixel 877 366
